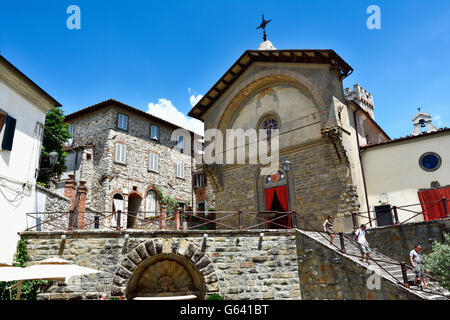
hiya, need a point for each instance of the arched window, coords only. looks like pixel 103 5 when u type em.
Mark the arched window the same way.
pixel 269 125
pixel 150 204
pixel 117 207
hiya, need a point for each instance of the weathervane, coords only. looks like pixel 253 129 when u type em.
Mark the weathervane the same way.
pixel 263 26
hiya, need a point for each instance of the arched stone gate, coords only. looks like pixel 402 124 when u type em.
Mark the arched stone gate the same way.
pixel 165 267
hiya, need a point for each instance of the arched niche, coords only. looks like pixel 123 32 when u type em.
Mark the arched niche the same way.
pixel 166 275
pixel 286 103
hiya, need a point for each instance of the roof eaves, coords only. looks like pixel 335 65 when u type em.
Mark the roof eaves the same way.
pixel 250 56
pixel 109 102
pixel 407 138
pixel 28 80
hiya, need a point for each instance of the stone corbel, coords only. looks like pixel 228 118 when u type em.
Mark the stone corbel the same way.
pixel 335 135
pixel 215 176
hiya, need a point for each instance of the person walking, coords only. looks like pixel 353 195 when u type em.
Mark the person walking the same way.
pixel 328 228
pixel 417 264
pixel 360 237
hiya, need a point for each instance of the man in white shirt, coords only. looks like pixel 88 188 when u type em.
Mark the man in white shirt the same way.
pixel 360 236
pixel 419 269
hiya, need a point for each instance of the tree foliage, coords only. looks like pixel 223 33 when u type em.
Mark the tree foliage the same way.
pixel 30 289
pixel 55 134
pixel 438 261
pixel 170 202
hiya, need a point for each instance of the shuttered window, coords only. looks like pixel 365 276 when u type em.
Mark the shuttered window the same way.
pixel 122 121
pixel 9 130
pixel 199 180
pixel 121 153
pixel 153 164
pixel 180 170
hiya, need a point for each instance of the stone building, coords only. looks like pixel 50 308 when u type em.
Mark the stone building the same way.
pixel 128 158
pixel 300 93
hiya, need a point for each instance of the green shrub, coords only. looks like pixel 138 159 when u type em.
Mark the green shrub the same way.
pixel 438 261
pixel 215 296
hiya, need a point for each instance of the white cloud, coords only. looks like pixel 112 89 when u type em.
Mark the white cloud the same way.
pixel 194 99
pixel 165 110
pixel 438 121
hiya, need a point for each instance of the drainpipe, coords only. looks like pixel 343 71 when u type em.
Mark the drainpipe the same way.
pixel 362 168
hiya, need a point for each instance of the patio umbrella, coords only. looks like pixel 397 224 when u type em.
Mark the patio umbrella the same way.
pixel 10 273
pixel 56 269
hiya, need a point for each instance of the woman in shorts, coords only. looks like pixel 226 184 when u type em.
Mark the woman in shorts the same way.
pixel 328 228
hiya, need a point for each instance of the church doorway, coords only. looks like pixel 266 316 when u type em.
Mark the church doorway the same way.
pixel 277 200
pixel 166 275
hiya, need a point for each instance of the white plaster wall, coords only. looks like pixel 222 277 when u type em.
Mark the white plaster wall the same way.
pixel 17 169
pixel 394 169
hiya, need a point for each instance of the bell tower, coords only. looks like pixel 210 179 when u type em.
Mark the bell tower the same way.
pixel 422 123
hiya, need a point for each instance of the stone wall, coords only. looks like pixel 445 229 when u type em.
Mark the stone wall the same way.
pixel 239 265
pixel 397 241
pixel 326 274
pixel 318 186
pixel 54 206
pixel 54 202
pixel 56 216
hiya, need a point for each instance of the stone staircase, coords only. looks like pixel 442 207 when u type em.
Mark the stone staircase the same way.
pixel 387 267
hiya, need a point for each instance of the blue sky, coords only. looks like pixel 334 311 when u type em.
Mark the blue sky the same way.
pixel 163 52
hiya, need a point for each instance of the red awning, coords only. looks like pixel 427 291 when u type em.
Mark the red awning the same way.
pixel 432 204
pixel 281 195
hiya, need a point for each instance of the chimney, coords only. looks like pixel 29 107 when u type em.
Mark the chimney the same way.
pixel 70 191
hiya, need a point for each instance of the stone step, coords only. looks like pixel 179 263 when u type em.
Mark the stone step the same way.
pixel 387 269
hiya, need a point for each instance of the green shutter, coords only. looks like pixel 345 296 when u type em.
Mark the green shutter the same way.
pixel 8 137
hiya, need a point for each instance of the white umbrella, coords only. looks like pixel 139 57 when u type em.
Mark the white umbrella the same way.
pixel 56 269
pixel 10 273
pixel 50 269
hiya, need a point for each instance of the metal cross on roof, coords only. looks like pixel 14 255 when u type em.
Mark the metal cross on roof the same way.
pixel 419 109
pixel 263 26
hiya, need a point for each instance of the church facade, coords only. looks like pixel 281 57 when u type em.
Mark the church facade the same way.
pixel 300 93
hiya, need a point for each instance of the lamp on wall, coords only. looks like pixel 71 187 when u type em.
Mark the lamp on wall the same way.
pixel 286 168
pixel 286 164
pixel 53 157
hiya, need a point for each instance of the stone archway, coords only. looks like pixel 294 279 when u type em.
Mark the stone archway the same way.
pixel 165 275
pixel 134 205
pixel 165 267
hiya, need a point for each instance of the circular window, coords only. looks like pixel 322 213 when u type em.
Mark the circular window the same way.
pixel 270 124
pixel 430 161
